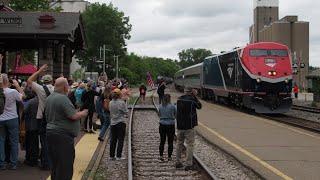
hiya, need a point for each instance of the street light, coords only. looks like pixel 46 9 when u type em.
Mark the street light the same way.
pixel 104 56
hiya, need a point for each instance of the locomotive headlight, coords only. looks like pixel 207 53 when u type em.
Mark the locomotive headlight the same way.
pixel 286 81
pixel 274 73
pixel 258 80
pixel 270 73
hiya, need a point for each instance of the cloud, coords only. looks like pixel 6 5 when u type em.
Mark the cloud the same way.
pixel 201 8
pixel 162 28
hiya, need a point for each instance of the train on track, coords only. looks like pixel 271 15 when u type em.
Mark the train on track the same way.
pixel 257 76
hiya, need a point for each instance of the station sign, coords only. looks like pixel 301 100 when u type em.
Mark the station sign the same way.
pixel 10 20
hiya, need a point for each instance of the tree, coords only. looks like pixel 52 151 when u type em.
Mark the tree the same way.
pixel 189 57
pixel 32 5
pixel 104 24
pixel 134 68
pixel 78 74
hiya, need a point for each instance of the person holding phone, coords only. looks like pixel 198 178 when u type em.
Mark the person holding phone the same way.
pixel 187 106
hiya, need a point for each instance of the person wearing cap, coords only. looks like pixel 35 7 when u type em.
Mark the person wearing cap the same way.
pixel 187 106
pixel 42 91
pixel 118 111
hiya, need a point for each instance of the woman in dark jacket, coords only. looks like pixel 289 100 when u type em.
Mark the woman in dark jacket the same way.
pixel 88 99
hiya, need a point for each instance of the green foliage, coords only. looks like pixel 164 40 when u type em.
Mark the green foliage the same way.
pixel 134 68
pixel 189 57
pixel 104 24
pixel 32 5
pixel 78 74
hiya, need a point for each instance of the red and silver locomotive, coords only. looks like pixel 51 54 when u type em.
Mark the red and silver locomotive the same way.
pixel 257 76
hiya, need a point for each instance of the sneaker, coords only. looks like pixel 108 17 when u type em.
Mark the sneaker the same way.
pixel 100 139
pixel 169 158
pixel 179 165
pixel 90 131
pixel 3 167
pixel 120 158
pixel 29 163
pixel 112 158
pixel 12 167
pixel 190 168
pixel 44 168
pixel 161 158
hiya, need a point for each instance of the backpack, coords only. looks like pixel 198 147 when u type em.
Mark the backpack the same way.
pixel 72 97
pixel 43 123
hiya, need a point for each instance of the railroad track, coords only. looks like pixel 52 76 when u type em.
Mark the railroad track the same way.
pixel 306 109
pixel 294 121
pixel 143 150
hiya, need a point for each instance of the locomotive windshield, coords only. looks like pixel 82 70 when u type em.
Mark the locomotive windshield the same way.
pixel 268 52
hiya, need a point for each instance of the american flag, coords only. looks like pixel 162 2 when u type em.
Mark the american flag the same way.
pixel 149 80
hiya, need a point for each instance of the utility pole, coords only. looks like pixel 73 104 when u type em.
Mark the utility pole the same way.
pixel 116 58
pixel 104 57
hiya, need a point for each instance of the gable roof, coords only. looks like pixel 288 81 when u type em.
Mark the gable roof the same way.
pixel 66 24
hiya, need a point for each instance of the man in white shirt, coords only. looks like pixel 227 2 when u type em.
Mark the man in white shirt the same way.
pixel 42 91
pixel 9 122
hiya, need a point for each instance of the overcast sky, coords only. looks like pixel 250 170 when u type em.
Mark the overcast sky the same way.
pixel 162 28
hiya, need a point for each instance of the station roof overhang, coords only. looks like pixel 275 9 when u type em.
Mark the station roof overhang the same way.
pixel 23 29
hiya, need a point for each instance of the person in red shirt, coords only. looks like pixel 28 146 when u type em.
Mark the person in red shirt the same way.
pixel 296 90
pixel 143 91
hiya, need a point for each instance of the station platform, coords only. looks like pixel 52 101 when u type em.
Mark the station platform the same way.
pixel 274 150
pixel 86 145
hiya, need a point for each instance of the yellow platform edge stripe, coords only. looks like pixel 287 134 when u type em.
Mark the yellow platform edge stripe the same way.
pixel 249 154
pixel 84 151
pixel 296 130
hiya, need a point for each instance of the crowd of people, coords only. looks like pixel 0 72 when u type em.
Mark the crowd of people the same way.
pixel 45 117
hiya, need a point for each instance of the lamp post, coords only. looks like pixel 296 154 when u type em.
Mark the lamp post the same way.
pixel 116 58
pixel 104 49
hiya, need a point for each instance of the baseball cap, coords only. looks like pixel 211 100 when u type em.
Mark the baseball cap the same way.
pixel 46 78
pixel 116 91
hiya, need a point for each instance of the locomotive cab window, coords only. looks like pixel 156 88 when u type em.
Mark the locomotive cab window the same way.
pixel 268 52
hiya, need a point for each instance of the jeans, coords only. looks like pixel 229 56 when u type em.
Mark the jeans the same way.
pixel 166 131
pixel 32 147
pixel 161 96
pixel 188 136
pixel 62 154
pixel 44 158
pixel 12 127
pixel 118 133
pixel 89 118
pixel 106 123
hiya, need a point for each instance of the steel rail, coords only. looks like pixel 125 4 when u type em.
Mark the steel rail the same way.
pixel 130 169
pixel 306 109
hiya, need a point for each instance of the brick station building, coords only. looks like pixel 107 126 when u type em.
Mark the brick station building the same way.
pixel 56 37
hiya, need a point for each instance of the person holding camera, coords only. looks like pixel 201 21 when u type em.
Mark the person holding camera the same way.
pixel 9 122
pixel 187 106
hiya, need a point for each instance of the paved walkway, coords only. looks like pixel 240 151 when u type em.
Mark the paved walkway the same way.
pixel 85 148
pixel 274 150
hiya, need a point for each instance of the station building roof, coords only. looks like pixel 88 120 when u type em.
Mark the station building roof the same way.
pixel 27 25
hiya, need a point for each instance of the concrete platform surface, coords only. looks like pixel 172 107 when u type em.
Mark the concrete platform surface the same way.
pixel 274 150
